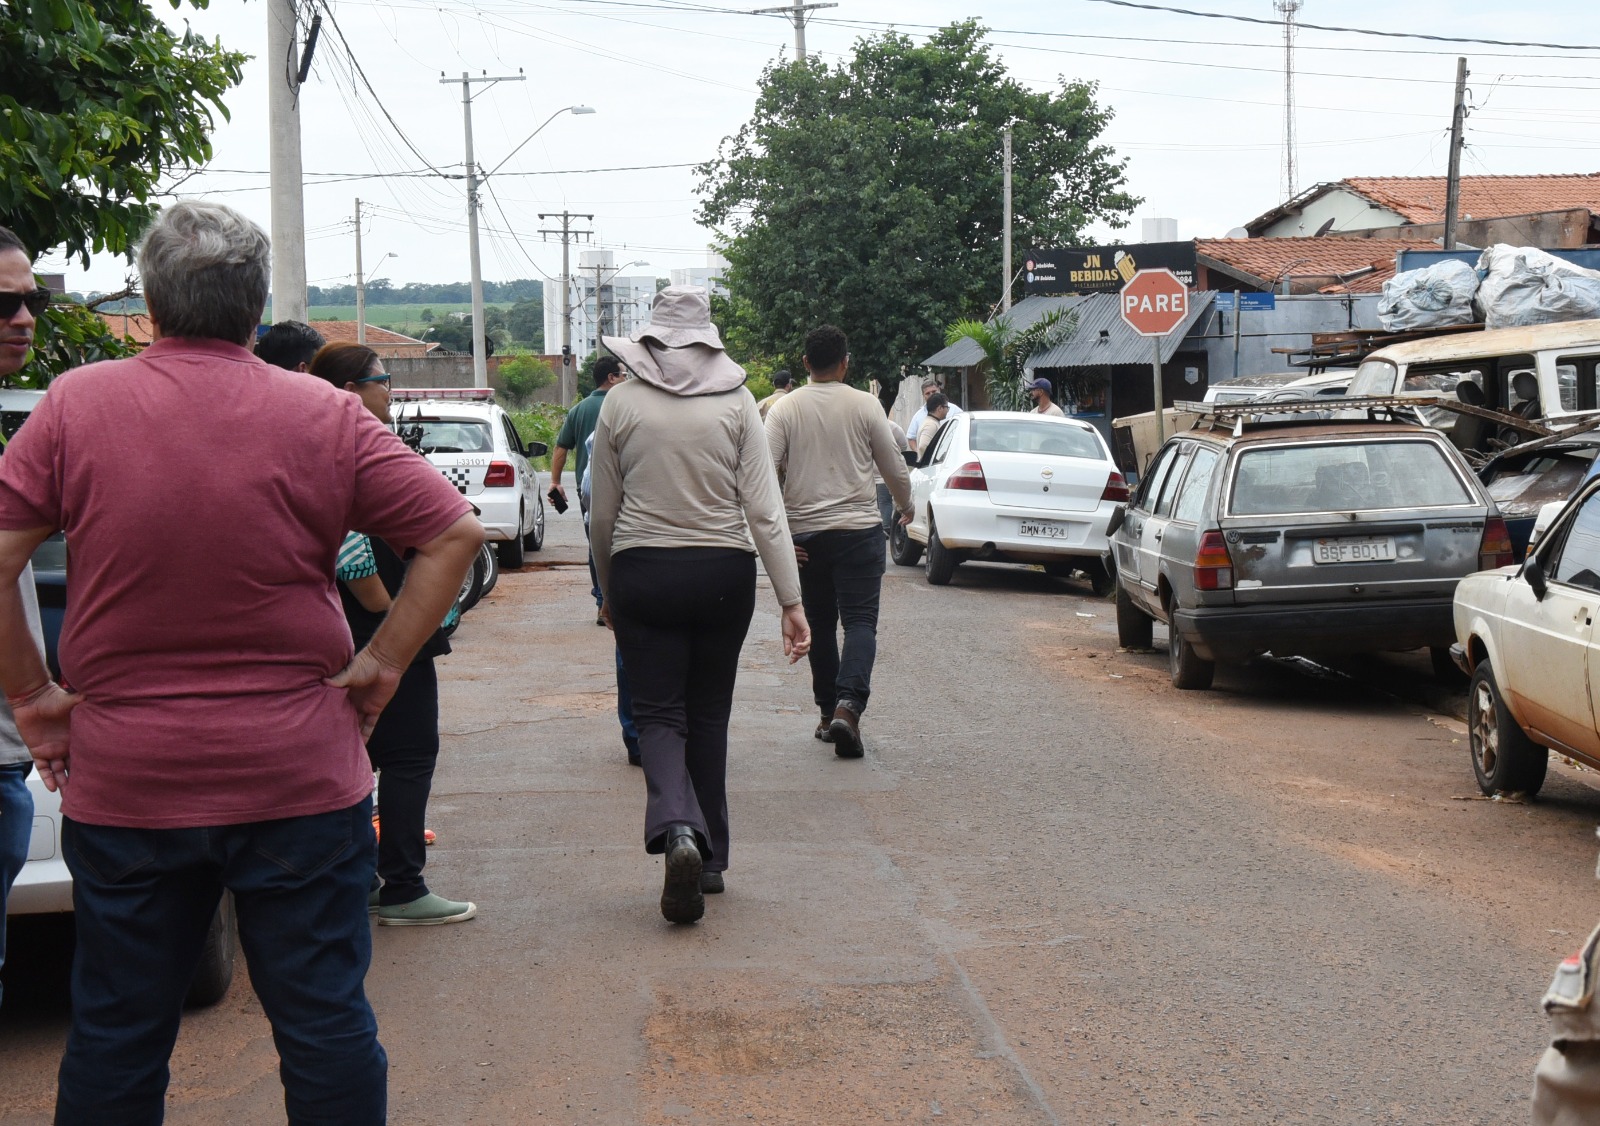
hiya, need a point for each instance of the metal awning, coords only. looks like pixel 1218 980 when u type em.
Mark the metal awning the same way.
pixel 1103 338
pixel 1024 315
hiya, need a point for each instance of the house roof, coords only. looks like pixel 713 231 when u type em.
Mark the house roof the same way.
pixel 1103 337
pixel 965 353
pixel 383 341
pixel 1267 261
pixel 1420 199
pixel 134 326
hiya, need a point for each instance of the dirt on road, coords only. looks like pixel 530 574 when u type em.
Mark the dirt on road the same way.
pixel 1056 890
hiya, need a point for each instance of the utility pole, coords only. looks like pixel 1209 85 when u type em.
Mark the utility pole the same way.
pixel 283 138
pixel 1458 122
pixel 480 353
pixel 797 12
pixel 1005 294
pixel 569 377
pixel 361 285
pixel 599 308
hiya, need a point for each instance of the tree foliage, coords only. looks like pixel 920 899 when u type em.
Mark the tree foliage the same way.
pixel 99 101
pixel 1006 351
pixel 870 194
pixel 521 376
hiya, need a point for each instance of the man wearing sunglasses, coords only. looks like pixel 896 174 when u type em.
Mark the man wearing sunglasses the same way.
pixel 21 300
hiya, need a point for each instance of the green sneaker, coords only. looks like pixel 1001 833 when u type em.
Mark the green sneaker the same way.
pixel 429 911
pixel 372 901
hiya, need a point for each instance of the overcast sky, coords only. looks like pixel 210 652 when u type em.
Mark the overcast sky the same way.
pixel 1198 106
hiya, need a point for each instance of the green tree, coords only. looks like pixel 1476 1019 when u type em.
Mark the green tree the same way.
pixel 869 194
pixel 99 101
pixel 525 319
pixel 1006 351
pixel 521 376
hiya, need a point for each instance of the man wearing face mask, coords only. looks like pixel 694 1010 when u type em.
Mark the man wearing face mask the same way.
pixel 1039 391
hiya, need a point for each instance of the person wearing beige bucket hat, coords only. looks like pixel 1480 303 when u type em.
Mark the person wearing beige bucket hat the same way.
pixel 684 497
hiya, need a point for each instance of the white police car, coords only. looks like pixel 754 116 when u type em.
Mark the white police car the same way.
pixel 465 434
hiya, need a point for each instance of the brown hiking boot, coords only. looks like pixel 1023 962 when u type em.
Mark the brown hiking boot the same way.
pixel 846 732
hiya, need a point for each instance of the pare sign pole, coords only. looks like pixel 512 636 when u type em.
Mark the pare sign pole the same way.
pixel 1154 303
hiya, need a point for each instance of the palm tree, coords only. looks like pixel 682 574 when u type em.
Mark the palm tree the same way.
pixel 1006 351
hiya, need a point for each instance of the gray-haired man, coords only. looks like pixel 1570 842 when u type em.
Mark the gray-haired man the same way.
pixel 213 738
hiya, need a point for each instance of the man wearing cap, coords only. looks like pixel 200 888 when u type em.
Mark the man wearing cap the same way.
pixel 782 381
pixel 930 388
pixel 1039 391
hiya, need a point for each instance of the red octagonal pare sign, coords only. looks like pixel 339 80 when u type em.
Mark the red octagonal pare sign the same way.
pixel 1155 302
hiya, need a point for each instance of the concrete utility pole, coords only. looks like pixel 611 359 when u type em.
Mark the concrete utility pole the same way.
pixel 283 139
pixel 1005 294
pixel 797 12
pixel 480 353
pixel 361 285
pixel 1458 122
pixel 569 375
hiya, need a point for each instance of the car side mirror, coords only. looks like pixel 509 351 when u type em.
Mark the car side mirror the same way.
pixel 534 449
pixel 1119 517
pixel 1533 572
pixel 910 456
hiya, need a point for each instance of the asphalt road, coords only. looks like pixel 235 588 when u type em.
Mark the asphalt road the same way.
pixel 1055 891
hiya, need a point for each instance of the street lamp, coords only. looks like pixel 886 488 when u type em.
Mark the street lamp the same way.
pixel 361 284
pixel 480 361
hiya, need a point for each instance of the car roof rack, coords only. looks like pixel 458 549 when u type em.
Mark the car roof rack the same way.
pixel 448 394
pixel 1379 408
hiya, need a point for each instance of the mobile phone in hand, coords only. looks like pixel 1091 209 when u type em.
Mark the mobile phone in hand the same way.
pixel 557 501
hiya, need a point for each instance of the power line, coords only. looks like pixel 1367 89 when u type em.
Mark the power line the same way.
pixel 1349 30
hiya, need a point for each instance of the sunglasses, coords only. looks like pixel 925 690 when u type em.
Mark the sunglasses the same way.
pixel 383 379
pixel 11 302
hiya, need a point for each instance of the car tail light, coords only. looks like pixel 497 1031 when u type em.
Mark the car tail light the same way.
pixel 499 476
pixel 969 476
pixel 1116 488
pixel 1495 550
pixel 1213 566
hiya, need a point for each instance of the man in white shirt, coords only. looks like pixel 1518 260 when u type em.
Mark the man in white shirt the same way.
pixel 930 388
pixel 1040 392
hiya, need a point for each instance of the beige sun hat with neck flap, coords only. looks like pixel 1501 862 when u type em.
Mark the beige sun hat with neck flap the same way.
pixel 680 349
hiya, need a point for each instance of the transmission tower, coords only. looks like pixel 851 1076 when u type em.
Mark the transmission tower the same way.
pixel 1288 9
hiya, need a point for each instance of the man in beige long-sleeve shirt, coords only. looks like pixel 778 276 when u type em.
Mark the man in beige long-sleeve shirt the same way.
pixel 826 439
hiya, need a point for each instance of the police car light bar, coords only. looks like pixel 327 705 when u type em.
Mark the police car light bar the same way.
pixel 453 394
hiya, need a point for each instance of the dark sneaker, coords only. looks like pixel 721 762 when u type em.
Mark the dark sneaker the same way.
pixel 429 911
pixel 711 883
pixel 681 900
pixel 846 732
pixel 822 732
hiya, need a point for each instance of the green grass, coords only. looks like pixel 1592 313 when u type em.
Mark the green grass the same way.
pixel 539 423
pixel 406 319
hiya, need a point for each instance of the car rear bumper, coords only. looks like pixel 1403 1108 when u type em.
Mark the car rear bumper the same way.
pixel 1231 633
pixel 498 514
pixel 973 523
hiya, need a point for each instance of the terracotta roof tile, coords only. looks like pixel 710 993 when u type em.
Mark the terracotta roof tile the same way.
pixel 388 344
pixel 1420 199
pixel 1271 259
pixel 134 326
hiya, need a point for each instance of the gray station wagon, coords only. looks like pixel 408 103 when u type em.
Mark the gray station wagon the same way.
pixel 1300 537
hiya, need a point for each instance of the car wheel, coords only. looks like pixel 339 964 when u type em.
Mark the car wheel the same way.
pixel 214 973
pixel 472 585
pixel 1102 576
pixel 1445 670
pixel 534 540
pixel 1503 757
pixel 904 550
pixel 1135 628
pixel 1190 671
pixel 491 569
pixel 942 562
pixel 511 551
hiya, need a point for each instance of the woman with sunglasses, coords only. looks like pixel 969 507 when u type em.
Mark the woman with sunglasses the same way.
pixel 405 746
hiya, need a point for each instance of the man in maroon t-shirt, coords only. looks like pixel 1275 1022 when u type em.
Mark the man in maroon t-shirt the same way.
pixel 209 736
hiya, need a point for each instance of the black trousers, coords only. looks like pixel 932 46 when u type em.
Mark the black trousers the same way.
pixel 840 586
pixel 681 616
pixel 404 749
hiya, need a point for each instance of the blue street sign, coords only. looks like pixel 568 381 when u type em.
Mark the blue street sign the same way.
pixel 1248 302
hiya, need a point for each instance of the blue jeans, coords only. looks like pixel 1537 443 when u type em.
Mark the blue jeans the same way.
pixel 144 899
pixel 840 584
pixel 16 826
pixel 630 731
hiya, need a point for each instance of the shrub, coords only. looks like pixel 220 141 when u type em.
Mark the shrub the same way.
pixel 521 376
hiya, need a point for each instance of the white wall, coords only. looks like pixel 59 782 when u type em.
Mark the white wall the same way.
pixel 1348 211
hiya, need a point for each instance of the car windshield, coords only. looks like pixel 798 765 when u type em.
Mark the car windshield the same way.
pixel 452 435
pixel 1021 436
pixel 1339 477
pixel 1374 377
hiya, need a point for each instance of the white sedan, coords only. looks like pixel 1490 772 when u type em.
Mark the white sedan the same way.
pixel 1528 637
pixel 1013 488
